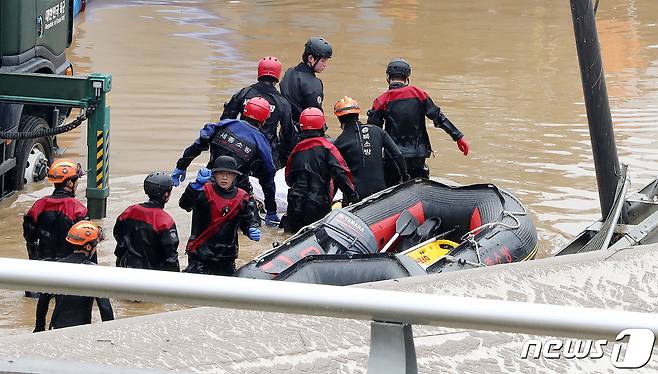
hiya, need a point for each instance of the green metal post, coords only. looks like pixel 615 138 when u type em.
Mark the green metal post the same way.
pixel 98 131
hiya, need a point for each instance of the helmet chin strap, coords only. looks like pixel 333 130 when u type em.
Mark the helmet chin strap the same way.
pixel 317 59
pixel 69 186
pixel 88 249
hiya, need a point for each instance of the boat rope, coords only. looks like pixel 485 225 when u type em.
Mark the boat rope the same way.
pixel 470 236
pixel 49 132
pixel 454 259
pixel 476 247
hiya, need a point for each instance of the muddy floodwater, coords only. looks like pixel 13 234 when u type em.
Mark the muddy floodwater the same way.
pixel 505 72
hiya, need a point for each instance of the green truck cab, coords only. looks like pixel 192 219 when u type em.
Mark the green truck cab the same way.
pixel 34 35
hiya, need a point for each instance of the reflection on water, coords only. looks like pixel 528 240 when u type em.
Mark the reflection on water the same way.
pixel 504 72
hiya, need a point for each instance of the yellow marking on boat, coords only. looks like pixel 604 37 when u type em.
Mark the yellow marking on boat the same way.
pixel 430 253
pixel 532 254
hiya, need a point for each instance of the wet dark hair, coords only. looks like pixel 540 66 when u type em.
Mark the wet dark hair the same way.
pixel 268 79
pixel 251 121
pixel 397 77
pixel 63 184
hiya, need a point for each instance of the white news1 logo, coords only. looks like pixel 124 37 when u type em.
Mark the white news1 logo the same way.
pixel 632 355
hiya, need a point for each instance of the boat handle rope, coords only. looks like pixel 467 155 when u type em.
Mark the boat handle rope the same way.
pixel 454 259
pixel 470 236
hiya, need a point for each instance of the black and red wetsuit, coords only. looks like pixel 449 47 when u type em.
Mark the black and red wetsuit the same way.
pixel 402 111
pixel 363 148
pixel 146 238
pixel 312 166
pixel 71 310
pixel 216 216
pixel 48 221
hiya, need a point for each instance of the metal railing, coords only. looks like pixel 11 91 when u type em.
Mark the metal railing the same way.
pixel 392 312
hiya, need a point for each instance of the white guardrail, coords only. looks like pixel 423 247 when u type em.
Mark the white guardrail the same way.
pixel 393 308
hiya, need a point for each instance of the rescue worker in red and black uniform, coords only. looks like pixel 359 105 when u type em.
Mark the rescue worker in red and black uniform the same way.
pixel 363 147
pixel 300 85
pixel 241 140
pixel 402 111
pixel 146 235
pixel 218 208
pixel 48 221
pixel 312 166
pixel 278 128
pixel 71 310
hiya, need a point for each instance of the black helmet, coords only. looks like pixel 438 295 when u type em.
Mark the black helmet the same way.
pixel 317 47
pixel 225 163
pixel 157 184
pixel 398 66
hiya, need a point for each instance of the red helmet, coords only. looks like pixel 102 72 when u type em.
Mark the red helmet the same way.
pixel 257 109
pixel 311 119
pixel 269 66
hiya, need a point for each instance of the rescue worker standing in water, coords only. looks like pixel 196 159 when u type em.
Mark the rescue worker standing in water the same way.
pixel 70 310
pixel 49 220
pixel 278 127
pixel 249 147
pixel 218 208
pixel 402 111
pixel 300 85
pixel 146 235
pixel 362 147
pixel 311 167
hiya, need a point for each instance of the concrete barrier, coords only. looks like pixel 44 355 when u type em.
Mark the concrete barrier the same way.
pixel 232 341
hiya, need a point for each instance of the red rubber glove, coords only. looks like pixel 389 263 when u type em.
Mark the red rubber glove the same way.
pixel 463 146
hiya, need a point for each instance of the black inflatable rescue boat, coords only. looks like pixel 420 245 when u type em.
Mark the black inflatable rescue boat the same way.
pixel 416 228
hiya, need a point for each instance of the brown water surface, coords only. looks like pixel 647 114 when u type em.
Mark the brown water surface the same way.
pixel 505 72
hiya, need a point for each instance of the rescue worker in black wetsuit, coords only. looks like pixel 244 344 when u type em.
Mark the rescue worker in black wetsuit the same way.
pixel 218 208
pixel 300 85
pixel 146 235
pixel 48 221
pixel 312 166
pixel 75 310
pixel 402 111
pixel 363 147
pixel 241 140
pixel 278 128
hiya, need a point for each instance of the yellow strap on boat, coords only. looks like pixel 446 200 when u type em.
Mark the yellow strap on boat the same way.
pixel 432 252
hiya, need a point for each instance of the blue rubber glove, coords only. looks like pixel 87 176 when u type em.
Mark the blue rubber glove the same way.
pixel 207 131
pixel 202 177
pixel 272 219
pixel 177 176
pixel 254 234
